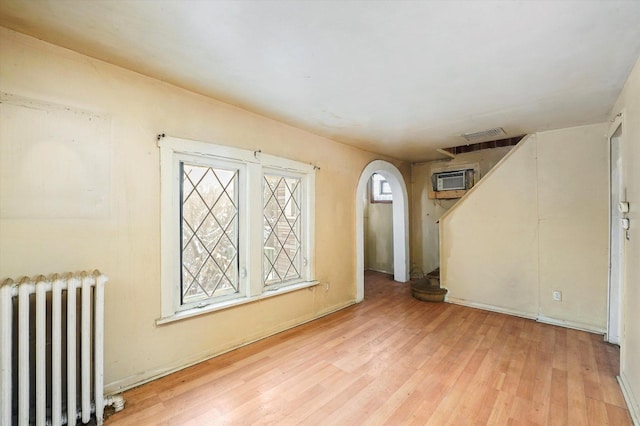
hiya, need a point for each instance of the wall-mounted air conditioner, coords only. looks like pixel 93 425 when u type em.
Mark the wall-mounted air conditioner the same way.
pixel 452 180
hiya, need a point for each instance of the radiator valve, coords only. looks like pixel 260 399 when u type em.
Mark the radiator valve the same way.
pixel 116 401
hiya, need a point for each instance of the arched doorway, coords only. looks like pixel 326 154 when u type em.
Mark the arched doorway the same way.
pixel 400 222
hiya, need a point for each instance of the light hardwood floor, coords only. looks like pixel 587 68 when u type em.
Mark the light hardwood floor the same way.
pixel 395 360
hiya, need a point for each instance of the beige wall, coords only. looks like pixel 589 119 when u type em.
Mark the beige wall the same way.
pixel 489 239
pixel 573 215
pixel 378 236
pixel 629 104
pixel 425 213
pixel 537 223
pixel 124 242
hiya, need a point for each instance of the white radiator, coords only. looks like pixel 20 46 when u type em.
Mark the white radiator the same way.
pixel 51 349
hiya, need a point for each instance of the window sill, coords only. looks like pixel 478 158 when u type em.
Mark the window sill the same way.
pixel 178 316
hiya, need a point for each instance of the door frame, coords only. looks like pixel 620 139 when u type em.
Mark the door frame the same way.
pixel 616 265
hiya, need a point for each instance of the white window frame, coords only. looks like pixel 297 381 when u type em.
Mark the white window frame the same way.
pixel 252 166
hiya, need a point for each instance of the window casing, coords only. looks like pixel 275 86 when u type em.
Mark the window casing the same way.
pixel 236 226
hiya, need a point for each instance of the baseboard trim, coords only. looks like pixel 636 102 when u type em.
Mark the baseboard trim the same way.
pixel 130 382
pixel 380 270
pixel 570 324
pixel 629 397
pixel 538 318
pixel 491 308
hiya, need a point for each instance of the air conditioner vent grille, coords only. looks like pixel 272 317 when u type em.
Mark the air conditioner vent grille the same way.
pixel 484 135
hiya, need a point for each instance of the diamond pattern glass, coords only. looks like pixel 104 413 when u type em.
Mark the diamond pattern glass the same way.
pixel 282 229
pixel 209 232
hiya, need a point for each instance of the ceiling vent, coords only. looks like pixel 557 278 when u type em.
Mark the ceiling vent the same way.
pixel 485 135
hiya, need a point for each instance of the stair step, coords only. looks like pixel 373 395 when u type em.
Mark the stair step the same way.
pixel 434 274
pixel 424 290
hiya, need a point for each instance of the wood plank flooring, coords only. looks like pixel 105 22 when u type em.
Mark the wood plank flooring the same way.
pixel 395 360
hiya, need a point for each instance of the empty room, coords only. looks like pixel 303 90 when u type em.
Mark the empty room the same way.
pixel 319 212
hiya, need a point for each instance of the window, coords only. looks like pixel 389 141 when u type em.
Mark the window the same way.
pixel 209 232
pixel 282 229
pixel 380 189
pixel 236 226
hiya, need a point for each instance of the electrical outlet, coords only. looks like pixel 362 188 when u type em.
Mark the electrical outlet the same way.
pixel 557 295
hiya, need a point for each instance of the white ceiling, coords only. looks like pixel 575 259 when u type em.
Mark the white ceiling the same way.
pixel 398 78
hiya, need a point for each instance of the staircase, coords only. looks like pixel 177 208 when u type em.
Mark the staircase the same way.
pixel 428 288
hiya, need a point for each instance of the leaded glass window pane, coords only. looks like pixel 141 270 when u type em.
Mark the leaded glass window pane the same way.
pixel 282 229
pixel 209 232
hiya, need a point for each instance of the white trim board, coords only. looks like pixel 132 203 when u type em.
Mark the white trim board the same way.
pixel 538 318
pixel 380 270
pixel 491 308
pixel 630 399
pixel 571 324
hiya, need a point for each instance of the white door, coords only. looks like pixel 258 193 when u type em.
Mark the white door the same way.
pixel 616 242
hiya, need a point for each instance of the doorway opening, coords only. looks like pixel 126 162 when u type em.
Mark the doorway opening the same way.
pixel 400 222
pixel 378 226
